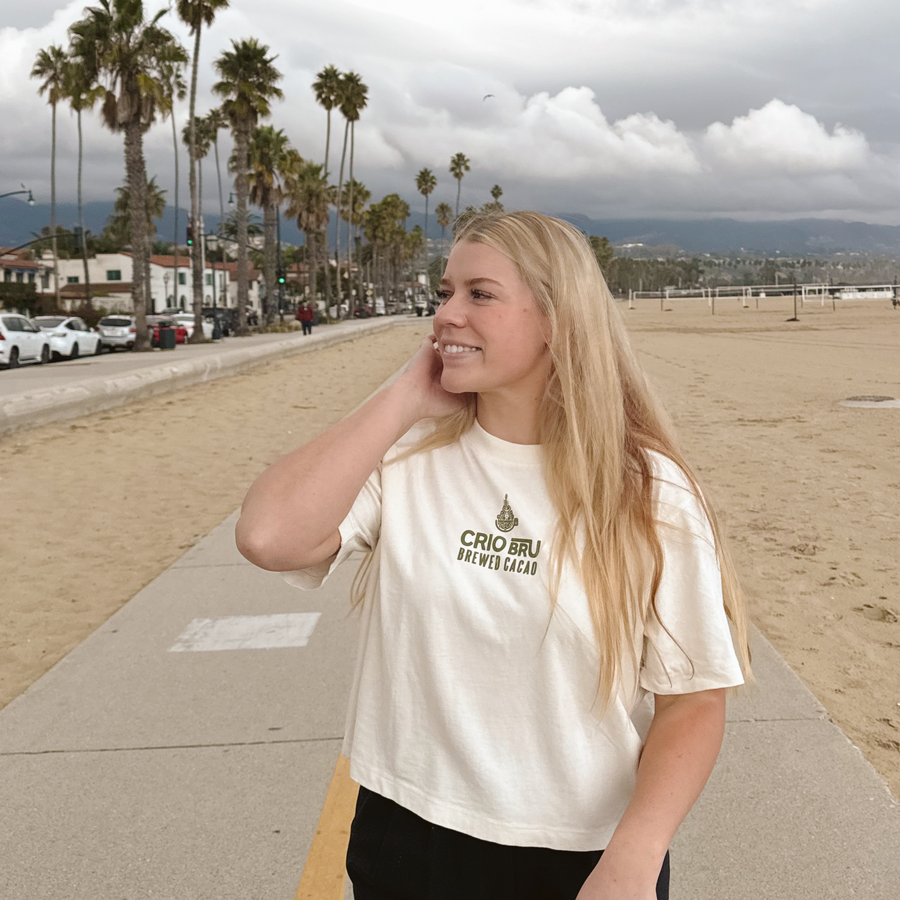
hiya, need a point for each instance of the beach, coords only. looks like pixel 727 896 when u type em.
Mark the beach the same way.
pixel 808 490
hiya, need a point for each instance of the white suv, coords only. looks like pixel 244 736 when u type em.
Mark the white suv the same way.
pixel 21 341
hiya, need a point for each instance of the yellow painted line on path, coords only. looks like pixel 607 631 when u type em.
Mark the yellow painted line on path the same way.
pixel 325 870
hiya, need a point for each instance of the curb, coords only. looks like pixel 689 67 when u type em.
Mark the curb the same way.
pixel 105 392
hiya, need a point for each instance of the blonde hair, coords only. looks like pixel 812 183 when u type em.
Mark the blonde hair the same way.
pixel 598 420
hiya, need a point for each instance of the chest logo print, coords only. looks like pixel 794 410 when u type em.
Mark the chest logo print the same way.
pixel 506 521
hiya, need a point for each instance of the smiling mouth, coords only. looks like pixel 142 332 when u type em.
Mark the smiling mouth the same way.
pixel 459 349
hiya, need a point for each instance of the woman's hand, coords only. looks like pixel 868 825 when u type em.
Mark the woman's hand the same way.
pixel 612 879
pixel 421 380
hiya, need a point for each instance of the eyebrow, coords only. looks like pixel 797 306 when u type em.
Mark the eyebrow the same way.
pixel 472 281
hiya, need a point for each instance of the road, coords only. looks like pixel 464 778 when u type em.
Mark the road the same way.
pixel 32 377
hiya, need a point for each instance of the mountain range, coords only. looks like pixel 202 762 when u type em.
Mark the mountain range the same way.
pixel 813 237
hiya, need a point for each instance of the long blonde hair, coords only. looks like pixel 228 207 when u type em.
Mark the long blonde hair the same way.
pixel 598 420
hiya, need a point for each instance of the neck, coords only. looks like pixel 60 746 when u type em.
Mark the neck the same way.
pixel 512 419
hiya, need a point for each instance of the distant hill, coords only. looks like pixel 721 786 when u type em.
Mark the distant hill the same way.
pixel 797 236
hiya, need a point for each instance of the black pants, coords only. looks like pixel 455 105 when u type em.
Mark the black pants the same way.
pixel 307 327
pixel 395 855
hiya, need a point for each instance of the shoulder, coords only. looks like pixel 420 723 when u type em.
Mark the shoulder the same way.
pixel 410 441
pixel 676 500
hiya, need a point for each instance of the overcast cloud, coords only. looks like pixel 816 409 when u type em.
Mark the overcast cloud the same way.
pixel 610 108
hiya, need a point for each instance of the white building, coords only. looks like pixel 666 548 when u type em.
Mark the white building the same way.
pixel 111 273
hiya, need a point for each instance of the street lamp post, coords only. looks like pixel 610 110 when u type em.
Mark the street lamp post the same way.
pixel 29 201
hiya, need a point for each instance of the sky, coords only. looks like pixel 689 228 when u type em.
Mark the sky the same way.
pixel 751 109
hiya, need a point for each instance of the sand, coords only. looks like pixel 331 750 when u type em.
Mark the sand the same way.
pixel 809 491
pixel 93 509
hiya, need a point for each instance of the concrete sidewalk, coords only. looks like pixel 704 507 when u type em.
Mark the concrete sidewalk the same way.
pixel 133 770
pixel 36 395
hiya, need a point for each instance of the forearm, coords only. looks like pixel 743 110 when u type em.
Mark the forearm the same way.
pixel 677 760
pixel 299 501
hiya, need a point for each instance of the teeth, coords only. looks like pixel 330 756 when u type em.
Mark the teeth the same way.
pixel 456 348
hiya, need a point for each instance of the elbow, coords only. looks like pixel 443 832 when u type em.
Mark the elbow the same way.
pixel 254 545
pixel 267 548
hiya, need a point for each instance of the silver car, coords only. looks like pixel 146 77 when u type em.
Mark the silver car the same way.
pixel 117 331
pixel 21 340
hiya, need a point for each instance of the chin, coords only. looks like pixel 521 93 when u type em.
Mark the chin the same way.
pixel 454 384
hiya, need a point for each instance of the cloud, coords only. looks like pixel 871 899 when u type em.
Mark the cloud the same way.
pixel 782 138
pixel 599 106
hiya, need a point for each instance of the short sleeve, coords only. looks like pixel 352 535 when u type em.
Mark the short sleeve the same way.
pixel 359 533
pixel 698 652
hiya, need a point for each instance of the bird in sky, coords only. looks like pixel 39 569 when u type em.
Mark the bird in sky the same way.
pixel 485 97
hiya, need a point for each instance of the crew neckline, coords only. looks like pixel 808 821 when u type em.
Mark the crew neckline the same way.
pixel 517 454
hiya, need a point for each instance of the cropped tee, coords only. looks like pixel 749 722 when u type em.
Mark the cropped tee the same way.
pixel 473 701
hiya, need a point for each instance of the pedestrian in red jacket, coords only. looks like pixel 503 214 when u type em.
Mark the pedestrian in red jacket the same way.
pixel 305 315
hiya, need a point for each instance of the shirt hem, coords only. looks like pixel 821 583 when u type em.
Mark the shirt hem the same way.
pixel 479 826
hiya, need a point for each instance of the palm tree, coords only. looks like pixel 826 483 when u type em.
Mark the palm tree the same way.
pixel 116 41
pixel 230 226
pixel 81 94
pixel 326 88
pixel 270 154
pixel 425 184
pixel 353 102
pixel 195 14
pixel 247 85
pixel 354 203
pixel 118 225
pixel 202 144
pixel 495 205
pixel 444 214
pixel 459 165
pixel 309 197
pixel 216 121
pixel 175 87
pixel 51 66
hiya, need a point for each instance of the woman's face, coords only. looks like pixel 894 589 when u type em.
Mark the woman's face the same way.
pixel 491 336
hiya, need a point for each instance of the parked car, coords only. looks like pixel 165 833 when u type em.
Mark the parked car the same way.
pixel 187 319
pixel 117 331
pixel 154 323
pixel 70 337
pixel 21 341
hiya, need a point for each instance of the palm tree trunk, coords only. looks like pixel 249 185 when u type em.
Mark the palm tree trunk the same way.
pixel 269 262
pixel 151 306
pixel 327 273
pixel 137 199
pixel 242 141
pixel 196 264
pixel 458 189
pixel 353 303
pixel 175 244
pixel 199 242
pixel 53 208
pixel 88 296
pixel 219 177
pixel 338 222
pixel 425 241
pixel 312 264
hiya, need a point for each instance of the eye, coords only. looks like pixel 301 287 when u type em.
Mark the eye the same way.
pixel 480 295
pixel 442 295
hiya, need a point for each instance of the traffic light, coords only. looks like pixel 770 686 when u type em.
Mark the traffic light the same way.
pixel 190 233
pixel 280 275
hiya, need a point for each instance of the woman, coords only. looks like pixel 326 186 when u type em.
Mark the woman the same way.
pixel 545 648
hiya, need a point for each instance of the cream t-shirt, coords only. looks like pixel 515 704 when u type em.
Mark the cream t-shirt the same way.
pixel 473 704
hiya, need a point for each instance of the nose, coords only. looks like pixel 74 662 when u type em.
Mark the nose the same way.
pixel 450 312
